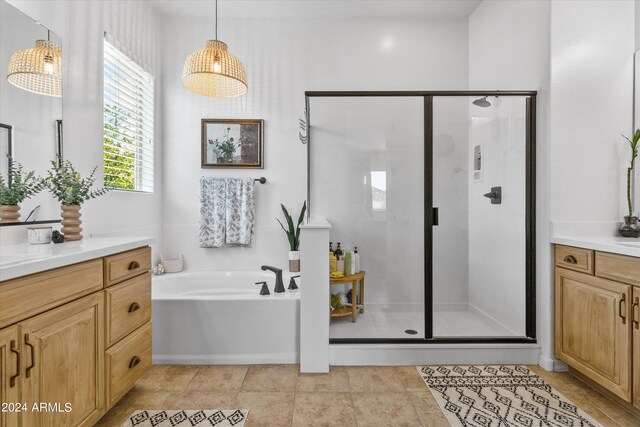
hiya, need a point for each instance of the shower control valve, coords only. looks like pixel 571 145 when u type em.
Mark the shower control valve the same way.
pixel 495 195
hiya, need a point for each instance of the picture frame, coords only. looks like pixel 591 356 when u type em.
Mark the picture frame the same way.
pixel 232 143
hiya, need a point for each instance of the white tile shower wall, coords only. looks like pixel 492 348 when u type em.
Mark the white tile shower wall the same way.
pixel 509 49
pixel 450 196
pixel 82 25
pixel 284 57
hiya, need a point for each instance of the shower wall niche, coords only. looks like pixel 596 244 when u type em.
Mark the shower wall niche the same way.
pixel 408 179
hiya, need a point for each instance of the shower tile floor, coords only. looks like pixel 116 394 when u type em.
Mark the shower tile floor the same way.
pixel 392 320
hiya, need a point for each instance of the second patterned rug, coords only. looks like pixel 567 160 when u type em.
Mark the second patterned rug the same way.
pixel 500 395
pixel 206 417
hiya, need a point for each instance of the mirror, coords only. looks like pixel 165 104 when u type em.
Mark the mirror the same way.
pixel 636 125
pixel 30 123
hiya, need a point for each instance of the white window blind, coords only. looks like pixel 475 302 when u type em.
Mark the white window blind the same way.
pixel 128 122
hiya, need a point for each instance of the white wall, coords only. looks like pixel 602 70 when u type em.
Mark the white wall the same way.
pixel 508 50
pixel 284 57
pixel 82 25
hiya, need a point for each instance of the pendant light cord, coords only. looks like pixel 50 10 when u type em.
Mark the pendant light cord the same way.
pixel 216 19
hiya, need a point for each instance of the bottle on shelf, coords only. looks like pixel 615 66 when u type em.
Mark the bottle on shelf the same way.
pixel 356 260
pixel 338 252
pixel 333 262
pixel 331 248
pixel 347 263
pixel 340 265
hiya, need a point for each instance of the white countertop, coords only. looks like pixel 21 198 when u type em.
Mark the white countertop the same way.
pixel 618 245
pixel 23 259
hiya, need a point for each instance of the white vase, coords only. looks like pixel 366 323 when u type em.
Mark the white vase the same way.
pixel 294 261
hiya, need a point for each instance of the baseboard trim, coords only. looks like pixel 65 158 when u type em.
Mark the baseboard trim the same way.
pixel 552 364
pixel 238 359
pixel 437 354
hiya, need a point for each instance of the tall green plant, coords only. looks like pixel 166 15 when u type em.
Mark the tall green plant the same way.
pixel 66 184
pixel 293 232
pixel 23 185
pixel 633 143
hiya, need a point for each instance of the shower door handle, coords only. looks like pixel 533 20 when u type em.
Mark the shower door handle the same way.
pixel 436 220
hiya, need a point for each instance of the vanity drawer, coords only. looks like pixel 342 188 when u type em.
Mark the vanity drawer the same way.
pixel 577 259
pixel 126 362
pixel 29 295
pixel 620 268
pixel 126 265
pixel 128 305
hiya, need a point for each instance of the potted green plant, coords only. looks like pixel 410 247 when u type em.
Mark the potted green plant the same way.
pixel 630 227
pixel 18 186
pixel 71 190
pixel 293 235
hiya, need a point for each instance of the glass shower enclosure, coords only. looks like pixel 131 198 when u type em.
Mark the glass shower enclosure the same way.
pixel 437 192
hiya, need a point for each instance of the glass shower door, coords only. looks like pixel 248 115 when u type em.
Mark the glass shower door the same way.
pixel 367 180
pixel 479 246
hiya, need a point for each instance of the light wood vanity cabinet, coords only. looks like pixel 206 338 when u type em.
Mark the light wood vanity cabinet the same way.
pixel 55 349
pixel 9 372
pixel 595 329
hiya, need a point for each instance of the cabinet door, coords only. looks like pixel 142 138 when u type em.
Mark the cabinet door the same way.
pixel 10 381
pixel 636 346
pixel 593 329
pixel 63 364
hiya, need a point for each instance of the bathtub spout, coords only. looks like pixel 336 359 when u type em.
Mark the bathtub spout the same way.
pixel 279 285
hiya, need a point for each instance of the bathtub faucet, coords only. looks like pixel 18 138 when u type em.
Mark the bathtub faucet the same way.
pixel 279 285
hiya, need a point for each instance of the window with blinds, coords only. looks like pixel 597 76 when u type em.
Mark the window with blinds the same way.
pixel 128 122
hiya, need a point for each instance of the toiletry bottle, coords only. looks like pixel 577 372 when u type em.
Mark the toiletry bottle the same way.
pixel 340 265
pixel 338 252
pixel 356 260
pixel 333 262
pixel 347 263
pixel 331 248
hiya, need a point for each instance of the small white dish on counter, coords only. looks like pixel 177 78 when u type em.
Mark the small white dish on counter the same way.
pixel 39 235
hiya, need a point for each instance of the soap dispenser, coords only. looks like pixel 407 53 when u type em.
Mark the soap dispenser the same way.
pixel 265 288
pixel 356 260
pixel 292 283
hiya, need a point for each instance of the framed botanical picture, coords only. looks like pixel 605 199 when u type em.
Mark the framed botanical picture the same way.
pixel 232 143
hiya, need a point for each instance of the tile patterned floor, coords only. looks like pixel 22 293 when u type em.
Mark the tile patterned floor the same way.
pixel 278 395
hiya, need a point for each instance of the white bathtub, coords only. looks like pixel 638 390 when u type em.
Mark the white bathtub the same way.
pixel 219 317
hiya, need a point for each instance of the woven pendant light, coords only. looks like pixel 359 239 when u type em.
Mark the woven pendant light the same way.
pixel 37 70
pixel 213 71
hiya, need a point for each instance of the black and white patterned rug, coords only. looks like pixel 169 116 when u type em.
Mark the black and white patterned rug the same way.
pixel 206 417
pixel 500 395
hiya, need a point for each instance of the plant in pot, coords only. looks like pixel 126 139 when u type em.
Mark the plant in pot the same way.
pixel 630 227
pixel 293 235
pixel 71 190
pixel 18 186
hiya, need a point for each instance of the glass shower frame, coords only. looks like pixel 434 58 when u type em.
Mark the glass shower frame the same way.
pixel 431 213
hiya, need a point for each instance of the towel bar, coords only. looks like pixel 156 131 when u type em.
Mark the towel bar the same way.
pixel 261 180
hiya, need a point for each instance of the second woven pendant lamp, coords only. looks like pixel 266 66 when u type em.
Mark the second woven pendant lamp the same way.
pixel 213 71
pixel 38 69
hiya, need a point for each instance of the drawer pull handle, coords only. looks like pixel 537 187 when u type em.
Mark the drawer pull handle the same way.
pixel 134 361
pixel 134 265
pixel 134 307
pixel 27 372
pixel 621 312
pixel 636 312
pixel 570 259
pixel 14 349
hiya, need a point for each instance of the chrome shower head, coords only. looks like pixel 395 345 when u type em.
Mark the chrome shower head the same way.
pixel 482 102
